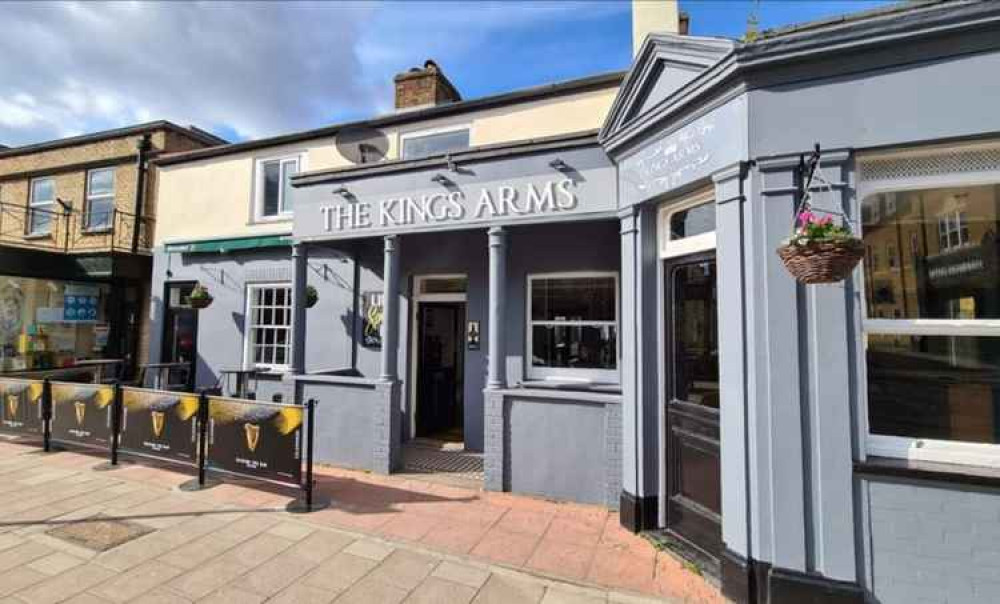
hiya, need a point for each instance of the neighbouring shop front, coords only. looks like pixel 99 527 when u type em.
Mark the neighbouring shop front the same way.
pixel 73 317
pixel 833 442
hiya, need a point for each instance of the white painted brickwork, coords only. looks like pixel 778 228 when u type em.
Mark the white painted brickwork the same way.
pixel 934 545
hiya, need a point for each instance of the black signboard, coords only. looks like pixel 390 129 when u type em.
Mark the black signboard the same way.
pixel 21 406
pixel 261 440
pixel 81 413
pixel 160 424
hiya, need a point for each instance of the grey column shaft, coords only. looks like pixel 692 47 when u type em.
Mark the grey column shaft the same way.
pixel 300 267
pixel 390 309
pixel 496 377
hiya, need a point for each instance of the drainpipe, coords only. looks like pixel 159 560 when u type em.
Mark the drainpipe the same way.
pixel 144 145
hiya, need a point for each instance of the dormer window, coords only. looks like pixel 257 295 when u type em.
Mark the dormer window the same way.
pixel 273 187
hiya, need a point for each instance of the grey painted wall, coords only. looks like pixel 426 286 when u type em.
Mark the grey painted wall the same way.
pixel 933 543
pixel 556 448
pixel 221 325
pixel 943 98
pixel 345 423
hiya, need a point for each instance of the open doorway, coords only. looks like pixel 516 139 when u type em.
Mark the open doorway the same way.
pixel 439 357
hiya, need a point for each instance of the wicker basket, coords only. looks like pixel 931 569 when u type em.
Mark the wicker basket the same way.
pixel 201 302
pixel 822 261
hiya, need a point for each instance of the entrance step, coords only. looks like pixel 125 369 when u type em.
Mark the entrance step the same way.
pixel 446 462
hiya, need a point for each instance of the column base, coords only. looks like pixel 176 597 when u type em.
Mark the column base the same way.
pixel 637 513
pixel 749 581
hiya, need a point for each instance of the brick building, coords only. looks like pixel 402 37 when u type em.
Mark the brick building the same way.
pixel 76 226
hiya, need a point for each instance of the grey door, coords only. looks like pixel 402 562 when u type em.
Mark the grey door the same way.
pixel 693 493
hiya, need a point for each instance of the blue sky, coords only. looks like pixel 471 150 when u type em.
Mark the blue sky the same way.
pixel 248 70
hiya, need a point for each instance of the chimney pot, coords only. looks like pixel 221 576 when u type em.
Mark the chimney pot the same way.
pixel 424 87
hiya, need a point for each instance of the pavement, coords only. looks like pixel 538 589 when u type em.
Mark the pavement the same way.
pixel 72 533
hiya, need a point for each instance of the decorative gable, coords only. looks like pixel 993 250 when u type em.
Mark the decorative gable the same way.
pixel 665 63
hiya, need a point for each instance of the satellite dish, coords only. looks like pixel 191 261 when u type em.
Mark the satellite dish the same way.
pixel 362 144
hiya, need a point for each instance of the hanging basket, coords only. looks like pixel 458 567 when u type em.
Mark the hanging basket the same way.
pixel 312 296
pixel 200 298
pixel 822 261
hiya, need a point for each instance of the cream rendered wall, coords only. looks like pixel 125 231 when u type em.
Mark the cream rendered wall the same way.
pixel 214 197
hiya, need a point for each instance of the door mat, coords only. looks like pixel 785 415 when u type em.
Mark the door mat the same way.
pixel 99 533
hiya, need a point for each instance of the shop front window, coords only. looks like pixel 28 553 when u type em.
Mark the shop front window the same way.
pixel 48 324
pixel 573 327
pixel 269 328
pixel 932 326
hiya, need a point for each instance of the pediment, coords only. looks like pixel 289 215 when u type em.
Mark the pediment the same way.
pixel 665 63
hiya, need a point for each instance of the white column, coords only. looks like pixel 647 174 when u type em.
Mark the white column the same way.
pixel 496 377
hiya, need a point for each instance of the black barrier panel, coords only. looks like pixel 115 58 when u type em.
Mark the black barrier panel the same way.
pixel 160 424
pixel 21 406
pixel 260 440
pixel 81 413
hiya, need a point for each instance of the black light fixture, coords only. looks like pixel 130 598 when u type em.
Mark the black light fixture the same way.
pixel 559 164
pixel 441 179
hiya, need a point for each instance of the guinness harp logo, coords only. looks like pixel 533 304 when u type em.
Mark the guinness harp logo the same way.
pixel 12 402
pixel 252 433
pixel 159 419
pixel 81 411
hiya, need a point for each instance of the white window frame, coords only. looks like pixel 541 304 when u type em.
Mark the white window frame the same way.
pixel 91 197
pixel 568 374
pixel 405 136
pixel 248 335
pixel 685 246
pixel 912 448
pixel 46 206
pixel 284 214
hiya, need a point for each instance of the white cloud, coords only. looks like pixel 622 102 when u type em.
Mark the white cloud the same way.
pixel 255 69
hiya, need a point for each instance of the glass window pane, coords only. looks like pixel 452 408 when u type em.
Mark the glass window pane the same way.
pixel 574 346
pixel 99 212
pixel 693 221
pixel 953 236
pixel 289 168
pixel 935 387
pixel 696 339
pixel 43 190
pixel 573 299
pixel 272 185
pixel 41 221
pixel 435 144
pixel 101 182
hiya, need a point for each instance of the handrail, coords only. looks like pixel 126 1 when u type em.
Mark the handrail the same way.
pixel 74 230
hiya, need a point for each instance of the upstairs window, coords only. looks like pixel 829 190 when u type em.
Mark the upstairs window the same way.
pixel 274 187
pixel 100 203
pixel 418 145
pixel 41 206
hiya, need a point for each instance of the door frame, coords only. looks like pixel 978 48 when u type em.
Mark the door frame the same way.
pixel 164 341
pixel 665 327
pixel 414 330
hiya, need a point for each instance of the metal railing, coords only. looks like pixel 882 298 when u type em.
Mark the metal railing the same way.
pixel 67 230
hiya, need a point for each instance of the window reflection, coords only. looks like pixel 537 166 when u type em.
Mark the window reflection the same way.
pixel 950 242
pixel 935 387
pixel 695 334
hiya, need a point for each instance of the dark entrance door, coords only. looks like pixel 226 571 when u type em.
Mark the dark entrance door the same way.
pixel 440 369
pixel 180 327
pixel 693 489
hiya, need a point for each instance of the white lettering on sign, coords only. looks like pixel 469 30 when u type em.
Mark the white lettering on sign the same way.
pixel 504 200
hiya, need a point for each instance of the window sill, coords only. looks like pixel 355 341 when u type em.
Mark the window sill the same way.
pixel 97 231
pixel 271 219
pixel 571 386
pixel 929 470
pixel 37 236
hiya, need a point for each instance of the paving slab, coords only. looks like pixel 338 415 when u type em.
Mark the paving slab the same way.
pixel 439 591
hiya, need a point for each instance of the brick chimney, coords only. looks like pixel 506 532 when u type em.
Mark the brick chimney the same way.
pixel 424 87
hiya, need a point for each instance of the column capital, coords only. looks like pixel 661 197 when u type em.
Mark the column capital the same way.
pixel 391 242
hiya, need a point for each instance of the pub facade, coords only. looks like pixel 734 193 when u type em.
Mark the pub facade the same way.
pixel 604 316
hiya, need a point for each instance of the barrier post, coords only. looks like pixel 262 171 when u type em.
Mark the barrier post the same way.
pixel 46 415
pixel 202 436
pixel 311 416
pixel 116 421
